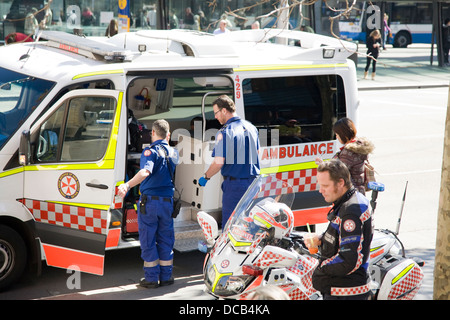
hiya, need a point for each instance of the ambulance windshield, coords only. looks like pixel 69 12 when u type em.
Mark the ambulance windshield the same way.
pixel 19 96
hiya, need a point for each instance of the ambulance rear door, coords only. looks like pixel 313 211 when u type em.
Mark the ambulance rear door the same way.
pixel 70 182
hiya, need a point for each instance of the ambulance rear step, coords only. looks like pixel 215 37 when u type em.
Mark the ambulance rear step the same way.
pixel 187 230
pixel 187 235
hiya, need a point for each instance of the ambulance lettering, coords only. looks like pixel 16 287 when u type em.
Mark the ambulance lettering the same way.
pixel 298 151
pixel 237 87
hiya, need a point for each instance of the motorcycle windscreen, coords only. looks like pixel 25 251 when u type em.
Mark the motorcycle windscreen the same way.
pixel 250 220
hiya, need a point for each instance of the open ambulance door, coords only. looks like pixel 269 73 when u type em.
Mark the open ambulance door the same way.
pixel 69 183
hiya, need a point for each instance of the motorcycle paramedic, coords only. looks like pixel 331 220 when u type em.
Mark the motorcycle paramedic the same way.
pixel 156 231
pixel 345 245
pixel 235 155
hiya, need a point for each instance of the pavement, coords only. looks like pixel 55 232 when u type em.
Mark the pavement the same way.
pixel 403 68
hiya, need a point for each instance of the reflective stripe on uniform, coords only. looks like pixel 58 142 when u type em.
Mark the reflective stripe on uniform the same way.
pixel 350 291
pixel 164 263
pixel 151 264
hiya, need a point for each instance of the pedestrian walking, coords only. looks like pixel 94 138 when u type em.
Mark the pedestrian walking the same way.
pixel 156 231
pixel 235 155
pixel 373 44
pixel 387 31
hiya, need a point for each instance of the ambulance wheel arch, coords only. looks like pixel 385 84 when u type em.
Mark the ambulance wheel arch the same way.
pixel 13 256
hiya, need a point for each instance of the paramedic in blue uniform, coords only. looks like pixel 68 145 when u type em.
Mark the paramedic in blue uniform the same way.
pixel 156 232
pixel 235 155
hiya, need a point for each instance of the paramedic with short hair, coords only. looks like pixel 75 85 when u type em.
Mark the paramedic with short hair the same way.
pixel 235 155
pixel 342 273
pixel 156 231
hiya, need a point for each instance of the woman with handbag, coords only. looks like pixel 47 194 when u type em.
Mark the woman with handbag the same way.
pixel 354 152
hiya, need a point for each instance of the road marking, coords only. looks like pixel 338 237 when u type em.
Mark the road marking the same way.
pixel 411 172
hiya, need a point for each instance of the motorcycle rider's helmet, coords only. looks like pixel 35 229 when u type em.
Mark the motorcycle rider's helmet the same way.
pixel 268 213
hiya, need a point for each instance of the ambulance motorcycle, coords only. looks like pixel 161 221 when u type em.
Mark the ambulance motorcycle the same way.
pixel 258 248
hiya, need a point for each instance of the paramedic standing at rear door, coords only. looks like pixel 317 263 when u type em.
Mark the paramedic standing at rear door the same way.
pixel 156 232
pixel 235 155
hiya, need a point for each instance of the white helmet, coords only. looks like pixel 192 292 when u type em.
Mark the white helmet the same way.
pixel 268 214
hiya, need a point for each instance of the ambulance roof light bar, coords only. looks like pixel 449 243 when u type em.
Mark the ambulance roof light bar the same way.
pixel 86 47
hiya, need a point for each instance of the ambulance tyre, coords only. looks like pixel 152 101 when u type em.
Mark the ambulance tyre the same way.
pixel 13 256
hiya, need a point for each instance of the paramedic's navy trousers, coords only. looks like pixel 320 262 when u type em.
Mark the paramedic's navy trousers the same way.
pixel 233 190
pixel 157 238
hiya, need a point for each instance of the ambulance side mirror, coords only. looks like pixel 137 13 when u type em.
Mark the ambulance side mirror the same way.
pixel 24 148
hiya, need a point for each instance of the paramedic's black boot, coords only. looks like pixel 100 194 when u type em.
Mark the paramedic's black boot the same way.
pixel 167 282
pixel 148 284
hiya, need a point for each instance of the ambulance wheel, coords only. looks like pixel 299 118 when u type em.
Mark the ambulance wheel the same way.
pixel 13 256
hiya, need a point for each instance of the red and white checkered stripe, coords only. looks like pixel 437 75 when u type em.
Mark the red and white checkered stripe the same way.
pixel 269 257
pixel 274 187
pixel 350 291
pixel 291 181
pixel 117 201
pixel 413 280
pixel 304 268
pixel 81 218
pixel 206 228
pixel 300 180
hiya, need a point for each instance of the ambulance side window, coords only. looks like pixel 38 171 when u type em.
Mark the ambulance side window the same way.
pixel 301 108
pixel 78 131
pixel 48 142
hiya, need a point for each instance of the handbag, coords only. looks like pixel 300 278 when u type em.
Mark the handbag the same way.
pixel 369 173
pixel 176 198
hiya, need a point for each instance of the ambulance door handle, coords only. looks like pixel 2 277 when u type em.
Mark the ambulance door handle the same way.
pixel 98 186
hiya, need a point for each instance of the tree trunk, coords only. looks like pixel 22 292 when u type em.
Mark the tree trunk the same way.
pixel 442 259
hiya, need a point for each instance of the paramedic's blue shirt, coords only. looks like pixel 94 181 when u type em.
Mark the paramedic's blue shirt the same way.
pixel 153 159
pixel 237 141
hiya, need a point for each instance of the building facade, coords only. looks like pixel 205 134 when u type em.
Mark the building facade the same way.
pixel 93 17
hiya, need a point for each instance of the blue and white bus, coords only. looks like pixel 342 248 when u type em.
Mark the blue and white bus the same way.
pixel 410 22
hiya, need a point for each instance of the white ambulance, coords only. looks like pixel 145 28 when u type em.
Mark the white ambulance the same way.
pixel 68 104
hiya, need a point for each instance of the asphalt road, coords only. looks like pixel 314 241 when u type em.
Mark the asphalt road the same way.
pixel 407 128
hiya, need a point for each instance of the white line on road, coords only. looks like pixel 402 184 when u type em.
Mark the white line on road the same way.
pixel 411 172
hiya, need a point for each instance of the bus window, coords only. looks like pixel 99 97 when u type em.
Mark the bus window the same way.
pixel 302 109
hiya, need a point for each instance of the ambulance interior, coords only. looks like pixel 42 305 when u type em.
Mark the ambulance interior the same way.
pixel 184 102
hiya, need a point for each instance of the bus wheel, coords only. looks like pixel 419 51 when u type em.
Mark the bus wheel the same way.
pixel 402 39
pixel 13 256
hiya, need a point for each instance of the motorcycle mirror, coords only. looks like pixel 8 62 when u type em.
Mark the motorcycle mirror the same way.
pixel 209 227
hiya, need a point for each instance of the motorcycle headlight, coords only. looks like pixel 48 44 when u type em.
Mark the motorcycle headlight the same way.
pixel 232 285
pixel 225 284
